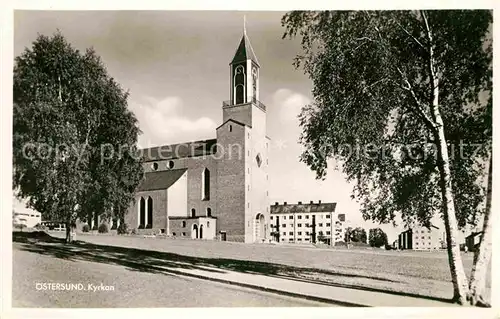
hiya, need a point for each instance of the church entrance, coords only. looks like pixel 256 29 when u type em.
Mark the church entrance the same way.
pixel 201 231
pixel 259 230
pixel 194 233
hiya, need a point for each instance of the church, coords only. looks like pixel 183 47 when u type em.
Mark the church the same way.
pixel 215 188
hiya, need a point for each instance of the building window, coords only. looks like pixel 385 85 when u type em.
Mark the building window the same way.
pixel 183 234
pixel 327 216
pixel 299 239
pixel 205 186
pixel 299 217
pixel 299 233
pixel 154 166
pixel 290 233
pixel 290 217
pixel 328 232
pixel 272 217
pixel 307 224
pixel 150 213
pixel 183 223
pixel 291 225
pixel 429 237
pixel 173 234
pixel 248 205
pixel 328 224
pixel 162 230
pixel 307 216
pixel 284 233
pixel 170 164
pixel 209 212
pixel 208 224
pixel 299 225
pixel 258 158
pixel 283 225
pixel 193 212
pixel 142 212
pixel 230 128
pixel 284 217
pixel 320 224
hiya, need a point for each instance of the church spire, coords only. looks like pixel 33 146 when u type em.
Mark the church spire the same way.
pixel 244 51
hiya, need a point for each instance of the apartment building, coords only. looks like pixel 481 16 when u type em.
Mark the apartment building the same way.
pixel 307 223
pixel 421 238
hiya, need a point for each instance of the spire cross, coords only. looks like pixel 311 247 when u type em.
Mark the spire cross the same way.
pixel 245 24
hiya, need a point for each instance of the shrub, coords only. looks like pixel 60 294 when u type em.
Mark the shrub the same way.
pixel 85 228
pixel 103 228
pixel 133 232
pixel 122 229
pixel 140 227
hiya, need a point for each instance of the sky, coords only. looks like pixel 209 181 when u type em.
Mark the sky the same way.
pixel 176 67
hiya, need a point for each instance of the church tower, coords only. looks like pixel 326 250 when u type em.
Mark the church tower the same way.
pixel 242 169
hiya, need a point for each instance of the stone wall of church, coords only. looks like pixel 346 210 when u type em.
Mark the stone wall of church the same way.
pixel 159 212
pixel 257 183
pixel 195 201
pixel 240 113
pixel 231 175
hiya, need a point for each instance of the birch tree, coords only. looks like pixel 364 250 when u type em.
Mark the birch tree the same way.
pixel 400 100
pixel 67 110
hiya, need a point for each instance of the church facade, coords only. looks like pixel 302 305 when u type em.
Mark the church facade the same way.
pixel 216 188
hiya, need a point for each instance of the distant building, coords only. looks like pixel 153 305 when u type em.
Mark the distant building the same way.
pixel 472 241
pixel 307 223
pixel 421 238
pixel 29 219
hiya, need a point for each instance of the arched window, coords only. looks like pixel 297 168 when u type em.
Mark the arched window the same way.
pixel 193 212
pixel 150 213
pixel 142 212
pixel 209 212
pixel 239 84
pixel 205 184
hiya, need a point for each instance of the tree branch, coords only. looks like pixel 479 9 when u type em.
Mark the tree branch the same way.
pixel 418 105
pixel 413 37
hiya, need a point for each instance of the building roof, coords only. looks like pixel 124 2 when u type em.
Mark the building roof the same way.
pixel 234 121
pixel 303 208
pixel 181 150
pixel 160 180
pixel 189 217
pixel 245 51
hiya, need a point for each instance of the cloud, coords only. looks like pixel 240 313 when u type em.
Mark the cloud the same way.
pixel 289 103
pixel 162 122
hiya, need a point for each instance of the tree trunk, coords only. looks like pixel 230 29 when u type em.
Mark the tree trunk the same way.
pixel 69 233
pixel 482 256
pixel 460 284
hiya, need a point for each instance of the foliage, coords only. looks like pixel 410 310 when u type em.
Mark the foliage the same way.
pixel 103 228
pixel 358 235
pixel 377 237
pixel 74 140
pixel 85 228
pixel 122 229
pixel 360 63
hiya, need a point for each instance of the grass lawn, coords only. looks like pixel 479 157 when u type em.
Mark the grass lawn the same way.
pixel 423 274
